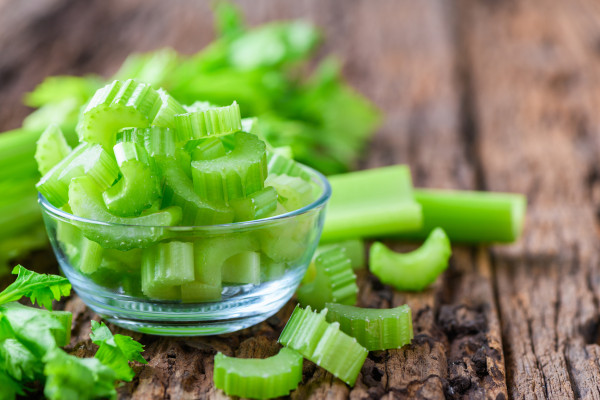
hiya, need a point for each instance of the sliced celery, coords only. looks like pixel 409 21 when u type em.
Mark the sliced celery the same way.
pixel 212 121
pixel 281 165
pixel 375 329
pixel 160 142
pixel 115 106
pixel 239 173
pixel 165 117
pixel 371 203
pixel 334 281
pixel 258 378
pixel 139 186
pixel 178 191
pixel 85 160
pixel 471 217
pixel 286 240
pixel 51 148
pixel 206 149
pixel 355 251
pixel 270 269
pixel 256 206
pixel 166 266
pixel 323 343
pixel 85 199
pixel 415 270
pixel 242 268
pixel 91 256
pixel 293 192
pixel 194 292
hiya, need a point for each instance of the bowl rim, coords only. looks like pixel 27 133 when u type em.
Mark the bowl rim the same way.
pixel 315 176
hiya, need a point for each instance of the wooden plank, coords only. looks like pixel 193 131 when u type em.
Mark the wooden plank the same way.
pixel 535 78
pixel 402 54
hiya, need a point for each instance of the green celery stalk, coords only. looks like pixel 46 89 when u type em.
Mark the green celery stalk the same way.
pixel 470 216
pixel 371 203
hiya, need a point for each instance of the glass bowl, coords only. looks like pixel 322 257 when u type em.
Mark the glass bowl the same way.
pixel 188 280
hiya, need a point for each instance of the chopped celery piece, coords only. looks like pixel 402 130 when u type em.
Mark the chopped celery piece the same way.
pixel 85 160
pixel 51 148
pixel 91 256
pixel 165 117
pixel 115 106
pixel 355 250
pixel 256 206
pixel 285 240
pixel 139 186
pixel 370 203
pixel 469 216
pixel 205 149
pixel 293 192
pixel 159 142
pixel 323 343
pixel 334 281
pixel 270 269
pixel 165 267
pixel 238 174
pixel 375 329
pixel 281 165
pixel 210 122
pixel 200 292
pixel 258 378
pixel 242 268
pixel 85 199
pixel 415 270
pixel 179 191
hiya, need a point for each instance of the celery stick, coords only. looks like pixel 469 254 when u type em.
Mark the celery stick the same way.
pixel 371 203
pixel 242 268
pixel 355 251
pixel 469 216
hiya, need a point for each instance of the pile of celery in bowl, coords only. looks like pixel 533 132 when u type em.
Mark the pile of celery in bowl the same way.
pixel 176 219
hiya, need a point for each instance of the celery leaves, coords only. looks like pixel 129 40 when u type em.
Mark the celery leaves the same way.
pixel 40 288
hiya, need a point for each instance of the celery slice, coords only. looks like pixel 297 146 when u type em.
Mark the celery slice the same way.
pixel 139 186
pixel 258 378
pixel 415 270
pixel 238 174
pixel 286 240
pixel 179 191
pixel 165 117
pixel 197 292
pixel 370 203
pixel 205 149
pixel 323 343
pixel 242 268
pixel 51 148
pixel 91 256
pixel 85 160
pixel 256 206
pixel 212 121
pixel 165 267
pixel 374 329
pixel 85 199
pixel 334 282
pixel 160 142
pixel 281 165
pixel 469 216
pixel 293 192
pixel 115 106
pixel 355 250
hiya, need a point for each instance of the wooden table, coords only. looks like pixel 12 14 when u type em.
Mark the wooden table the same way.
pixel 495 95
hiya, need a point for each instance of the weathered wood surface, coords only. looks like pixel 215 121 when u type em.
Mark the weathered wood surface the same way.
pixel 499 95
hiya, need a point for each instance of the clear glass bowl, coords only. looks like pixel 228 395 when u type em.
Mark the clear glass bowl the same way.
pixel 267 257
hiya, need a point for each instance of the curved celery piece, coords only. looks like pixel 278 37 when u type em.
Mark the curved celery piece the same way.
pixel 165 267
pixel 334 282
pixel 355 250
pixel 258 378
pixel 242 268
pixel 239 173
pixel 286 240
pixel 293 192
pixel 415 270
pixel 210 122
pixel 210 255
pixel 165 117
pixel 51 148
pixel 256 206
pixel 324 343
pixel 159 142
pixel 115 106
pixel 85 199
pixel 178 191
pixel 281 165
pixel 205 149
pixel 139 186
pixel 374 329
pixel 85 160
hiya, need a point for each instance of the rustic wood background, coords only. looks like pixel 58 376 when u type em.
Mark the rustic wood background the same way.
pixel 479 94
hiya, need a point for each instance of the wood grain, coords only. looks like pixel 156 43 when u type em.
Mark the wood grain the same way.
pixel 500 95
